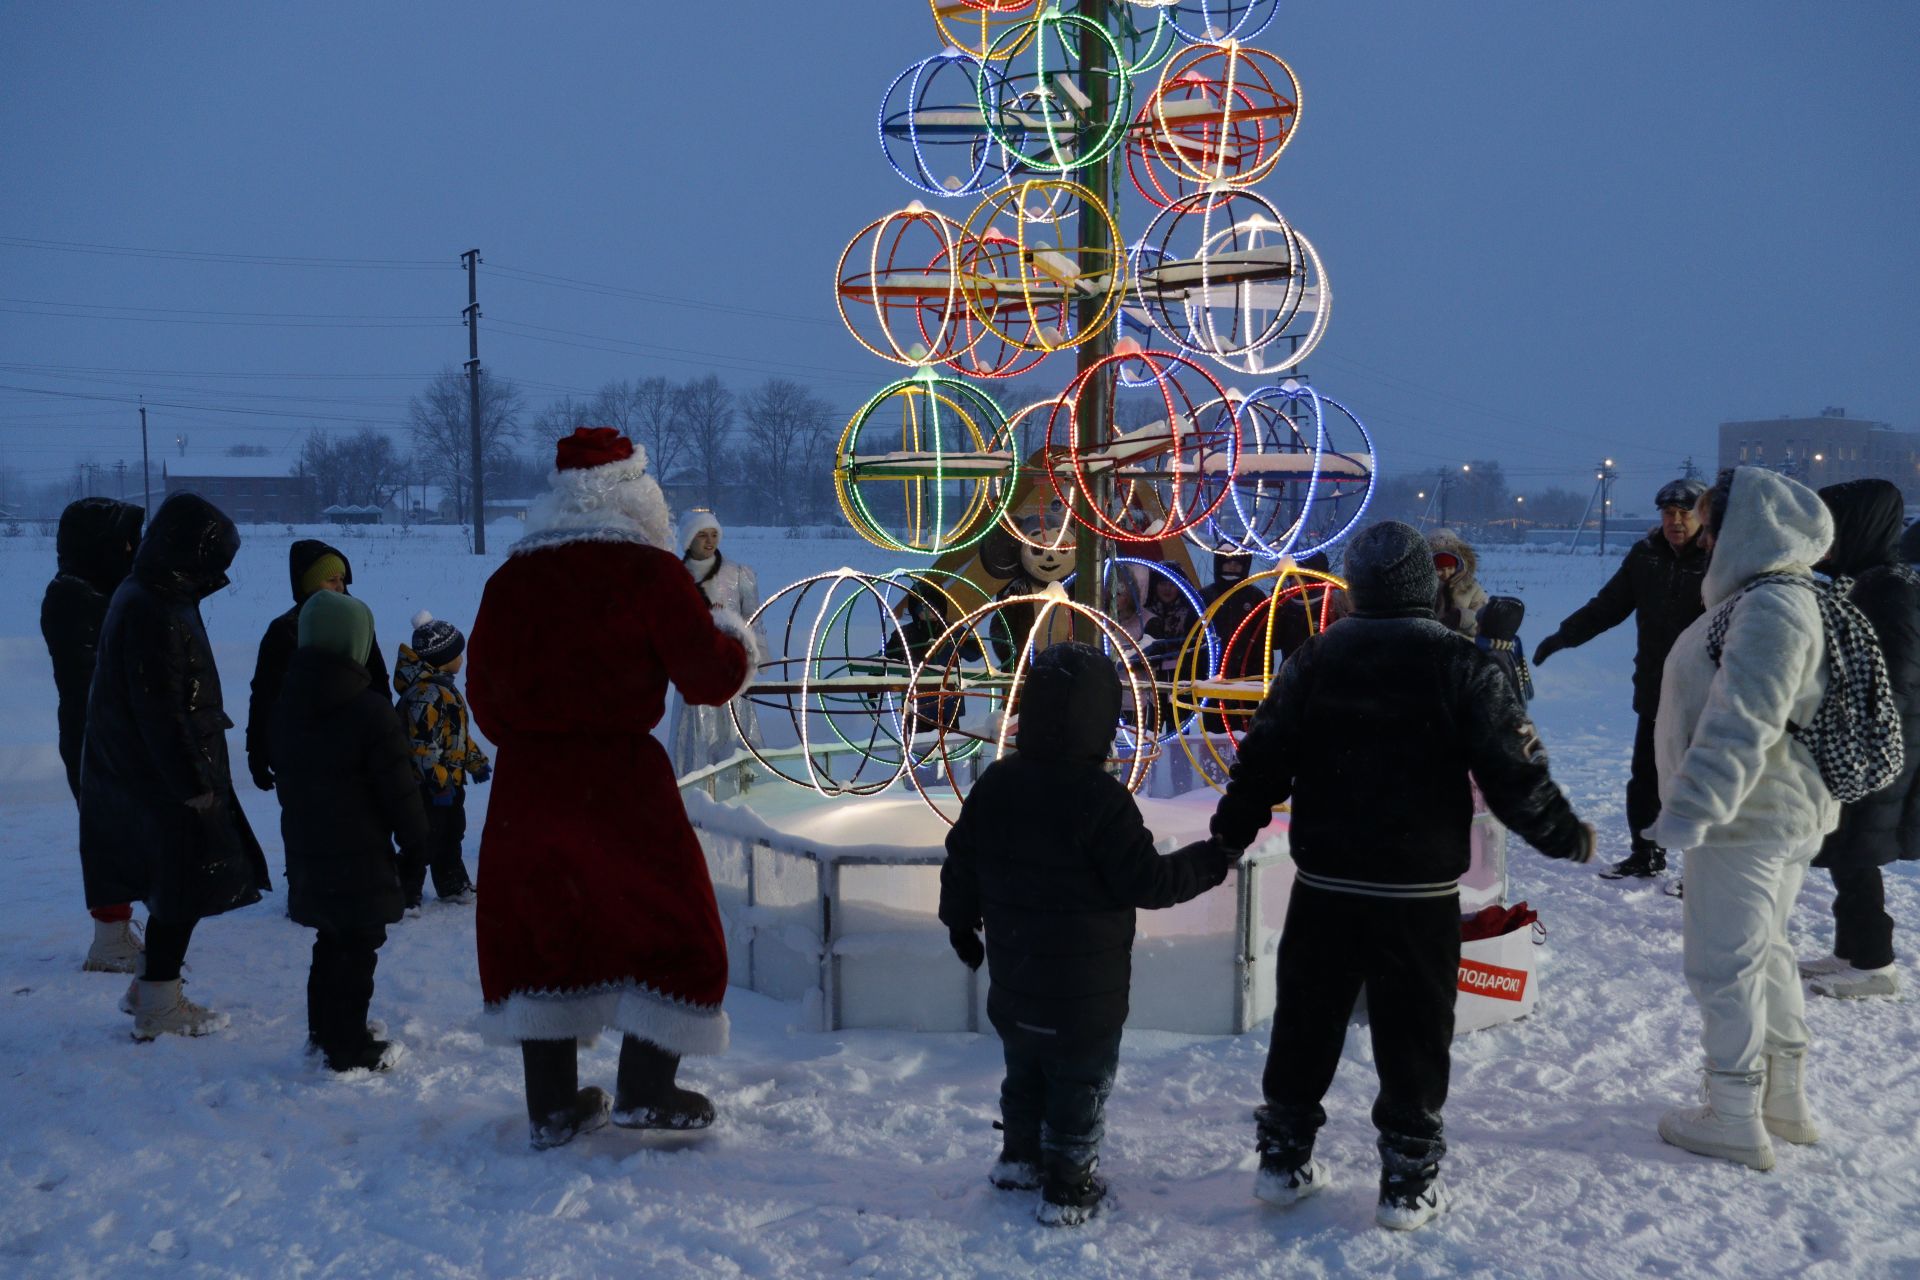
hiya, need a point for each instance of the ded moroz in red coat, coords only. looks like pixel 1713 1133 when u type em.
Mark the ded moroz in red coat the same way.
pixel 595 909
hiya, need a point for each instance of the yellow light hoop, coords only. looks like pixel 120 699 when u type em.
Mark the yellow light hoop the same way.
pixel 924 459
pixel 1026 276
pixel 1232 698
pixel 1140 690
pixel 922 286
pixel 1245 93
pixel 973 26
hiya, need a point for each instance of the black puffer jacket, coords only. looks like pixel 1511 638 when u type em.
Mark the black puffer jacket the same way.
pixel 95 544
pixel 276 650
pixel 1051 854
pixel 1372 730
pixel 1885 826
pixel 156 734
pixel 347 784
pixel 1660 587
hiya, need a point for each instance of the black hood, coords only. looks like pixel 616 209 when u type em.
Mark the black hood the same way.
pixel 96 541
pixel 300 558
pixel 1389 571
pixel 1866 525
pixel 1230 567
pixel 1069 704
pixel 1501 616
pixel 1910 543
pixel 187 548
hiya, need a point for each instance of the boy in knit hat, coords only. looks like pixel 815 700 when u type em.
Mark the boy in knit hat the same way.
pixel 346 786
pixel 444 754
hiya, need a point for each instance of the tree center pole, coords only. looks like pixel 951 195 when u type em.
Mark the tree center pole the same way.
pixel 477 488
pixel 1094 411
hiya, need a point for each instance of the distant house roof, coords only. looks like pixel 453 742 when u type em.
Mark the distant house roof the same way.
pixel 348 509
pixel 225 468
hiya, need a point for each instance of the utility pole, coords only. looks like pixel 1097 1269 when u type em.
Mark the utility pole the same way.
pixel 120 478
pixel 1606 476
pixel 478 488
pixel 146 484
pixel 1093 421
pixel 1688 470
pixel 1441 481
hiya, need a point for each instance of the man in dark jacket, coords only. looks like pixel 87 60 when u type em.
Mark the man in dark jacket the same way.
pixel 347 785
pixel 159 822
pixel 312 566
pixel 95 545
pixel 1050 854
pixel 1659 584
pixel 1372 729
pixel 1885 826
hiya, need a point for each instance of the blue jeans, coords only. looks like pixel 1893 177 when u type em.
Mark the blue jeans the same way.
pixel 1054 1097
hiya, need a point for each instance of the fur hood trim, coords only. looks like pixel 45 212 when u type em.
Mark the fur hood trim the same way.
pixel 617 502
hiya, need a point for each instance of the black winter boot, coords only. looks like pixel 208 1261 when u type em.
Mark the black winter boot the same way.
pixel 1018 1168
pixel 558 1110
pixel 1069 1191
pixel 648 1097
pixel 1641 864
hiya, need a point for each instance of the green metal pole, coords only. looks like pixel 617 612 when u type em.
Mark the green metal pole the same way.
pixel 1091 426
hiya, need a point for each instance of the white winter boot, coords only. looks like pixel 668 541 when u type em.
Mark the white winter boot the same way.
pixel 1728 1127
pixel 116 948
pixel 159 1009
pixel 1784 1110
pixel 1858 984
pixel 1823 966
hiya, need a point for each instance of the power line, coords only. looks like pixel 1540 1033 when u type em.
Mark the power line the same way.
pixel 242 259
pixel 644 295
pixel 257 324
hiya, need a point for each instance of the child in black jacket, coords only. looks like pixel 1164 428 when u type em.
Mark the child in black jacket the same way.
pixel 346 782
pixel 1050 854
pixel 1372 728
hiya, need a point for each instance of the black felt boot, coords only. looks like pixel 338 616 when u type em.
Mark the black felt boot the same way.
pixel 557 1108
pixel 648 1097
pixel 1018 1168
pixel 1069 1191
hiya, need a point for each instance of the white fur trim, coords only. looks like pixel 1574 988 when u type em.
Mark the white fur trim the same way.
pixel 736 626
pixel 597 502
pixel 631 1008
pixel 693 522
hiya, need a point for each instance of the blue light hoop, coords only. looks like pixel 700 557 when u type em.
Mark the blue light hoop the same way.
pixel 908 124
pixel 1212 21
pixel 1199 612
pixel 1249 537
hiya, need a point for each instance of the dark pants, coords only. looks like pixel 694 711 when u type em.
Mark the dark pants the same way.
pixel 166 949
pixel 1862 929
pixel 340 986
pixel 70 757
pixel 1406 955
pixel 446 830
pixel 1054 1097
pixel 1643 786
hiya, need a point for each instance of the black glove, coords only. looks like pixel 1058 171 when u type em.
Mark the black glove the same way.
pixel 1547 648
pixel 1218 858
pixel 1588 840
pixel 967 945
pixel 263 777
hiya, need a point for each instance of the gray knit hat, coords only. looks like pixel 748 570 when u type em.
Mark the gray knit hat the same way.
pixel 1389 568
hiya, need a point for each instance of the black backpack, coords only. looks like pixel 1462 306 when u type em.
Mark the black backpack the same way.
pixel 1855 736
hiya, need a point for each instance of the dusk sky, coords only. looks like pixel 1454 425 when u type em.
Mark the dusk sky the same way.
pixel 1554 231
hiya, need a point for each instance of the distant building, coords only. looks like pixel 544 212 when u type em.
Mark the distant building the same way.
pixel 347 513
pixel 251 490
pixel 1825 450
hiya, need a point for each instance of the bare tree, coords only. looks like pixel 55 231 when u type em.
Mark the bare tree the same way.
pixel 650 414
pixel 442 443
pixel 784 421
pixel 561 416
pixel 704 411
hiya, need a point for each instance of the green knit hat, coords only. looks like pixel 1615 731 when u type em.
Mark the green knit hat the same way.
pixel 338 624
pixel 327 566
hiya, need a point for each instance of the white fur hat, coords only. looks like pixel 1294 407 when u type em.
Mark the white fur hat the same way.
pixel 693 522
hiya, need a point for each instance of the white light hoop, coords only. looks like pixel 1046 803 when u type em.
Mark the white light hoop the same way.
pixel 1227 278
pixel 1276 357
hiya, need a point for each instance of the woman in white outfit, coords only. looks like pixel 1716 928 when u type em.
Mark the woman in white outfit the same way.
pixel 704 735
pixel 1747 803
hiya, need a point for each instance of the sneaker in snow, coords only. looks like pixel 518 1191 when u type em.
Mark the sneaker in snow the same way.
pixel 374 1055
pixel 1637 866
pixel 1676 889
pixel 462 898
pixel 159 1009
pixel 1823 966
pixel 376 1030
pixel 116 948
pixel 1858 984
pixel 1402 1208
pixel 1288 1187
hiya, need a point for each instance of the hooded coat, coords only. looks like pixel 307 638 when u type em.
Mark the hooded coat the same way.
pixel 156 734
pixel 1378 728
pixel 347 785
pixel 595 908
pixel 95 545
pixel 1457 603
pixel 1867 514
pixel 276 650
pixel 1051 854
pixel 1660 588
pixel 1730 774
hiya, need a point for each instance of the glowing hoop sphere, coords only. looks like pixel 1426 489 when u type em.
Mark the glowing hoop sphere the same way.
pixel 976 26
pixel 932 131
pixel 1221 115
pixel 900 280
pixel 1223 274
pixel 1174 454
pixel 1026 285
pixel 1215 21
pixel 1305 475
pixel 924 440
pixel 1125 576
pixel 1039 112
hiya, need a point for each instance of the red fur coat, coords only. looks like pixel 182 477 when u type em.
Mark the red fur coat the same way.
pixel 595 909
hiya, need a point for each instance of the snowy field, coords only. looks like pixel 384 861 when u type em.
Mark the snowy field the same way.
pixel 864 1153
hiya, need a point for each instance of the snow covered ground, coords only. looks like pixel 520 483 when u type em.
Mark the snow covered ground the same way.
pixel 864 1152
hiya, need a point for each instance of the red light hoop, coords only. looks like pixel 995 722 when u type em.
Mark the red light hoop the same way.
pixel 899 276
